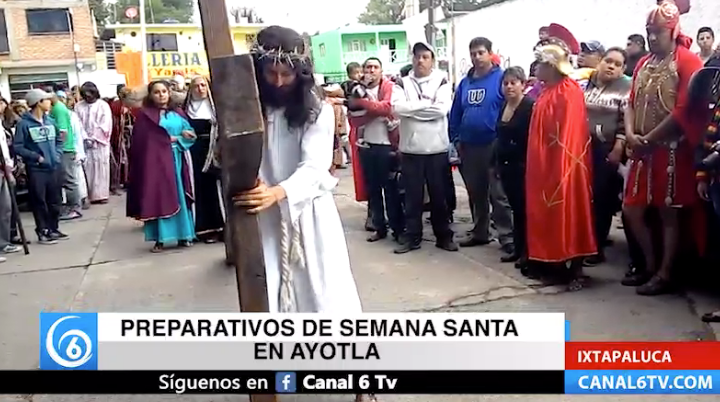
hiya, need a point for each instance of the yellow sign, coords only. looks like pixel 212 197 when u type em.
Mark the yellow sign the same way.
pixel 169 64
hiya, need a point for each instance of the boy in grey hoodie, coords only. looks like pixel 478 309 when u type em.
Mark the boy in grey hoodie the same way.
pixel 40 145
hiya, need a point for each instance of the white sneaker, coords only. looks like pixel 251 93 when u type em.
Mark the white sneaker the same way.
pixel 2 259
pixel 11 248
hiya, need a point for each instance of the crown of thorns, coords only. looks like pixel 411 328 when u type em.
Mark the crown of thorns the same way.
pixel 279 55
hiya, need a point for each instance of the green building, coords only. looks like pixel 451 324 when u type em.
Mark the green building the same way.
pixel 333 50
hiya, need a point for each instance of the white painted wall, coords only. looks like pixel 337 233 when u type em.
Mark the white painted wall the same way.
pixel 106 80
pixel 6 72
pixel 513 26
pixel 415 26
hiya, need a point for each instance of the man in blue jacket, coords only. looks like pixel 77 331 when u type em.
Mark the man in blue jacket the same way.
pixel 473 120
pixel 40 146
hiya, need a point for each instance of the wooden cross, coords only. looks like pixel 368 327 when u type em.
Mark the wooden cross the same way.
pixel 241 129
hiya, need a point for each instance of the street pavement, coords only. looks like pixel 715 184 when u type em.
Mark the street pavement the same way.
pixel 106 266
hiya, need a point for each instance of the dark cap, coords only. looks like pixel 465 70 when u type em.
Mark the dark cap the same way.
pixel 592 46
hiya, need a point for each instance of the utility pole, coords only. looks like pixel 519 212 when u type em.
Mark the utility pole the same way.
pixel 143 44
pixel 241 129
pixel 75 45
pixel 430 27
pixel 453 54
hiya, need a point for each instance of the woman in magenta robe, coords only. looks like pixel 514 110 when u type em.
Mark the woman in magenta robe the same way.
pixel 160 189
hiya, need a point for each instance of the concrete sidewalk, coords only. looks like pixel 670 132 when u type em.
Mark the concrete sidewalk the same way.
pixel 106 266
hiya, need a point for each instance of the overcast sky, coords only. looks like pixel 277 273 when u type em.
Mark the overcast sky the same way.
pixel 305 15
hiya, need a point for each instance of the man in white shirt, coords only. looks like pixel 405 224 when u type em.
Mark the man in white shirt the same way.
pixel 422 101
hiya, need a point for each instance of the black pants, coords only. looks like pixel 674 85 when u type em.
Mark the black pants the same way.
pixel 418 170
pixel 512 177
pixel 14 219
pixel 44 197
pixel 379 167
pixel 652 221
pixel 450 192
pixel 607 185
pixel 451 196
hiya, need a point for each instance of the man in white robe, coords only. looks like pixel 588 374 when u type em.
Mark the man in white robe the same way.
pixel 96 118
pixel 306 258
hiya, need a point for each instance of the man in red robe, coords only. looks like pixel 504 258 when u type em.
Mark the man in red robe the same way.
pixel 361 112
pixel 372 117
pixel 559 171
pixel 122 123
pixel 662 135
pixel 354 73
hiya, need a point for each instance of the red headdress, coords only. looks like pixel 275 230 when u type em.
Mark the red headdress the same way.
pixel 666 14
pixel 560 32
pixel 682 5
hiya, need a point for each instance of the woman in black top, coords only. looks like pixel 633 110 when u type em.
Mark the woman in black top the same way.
pixel 512 128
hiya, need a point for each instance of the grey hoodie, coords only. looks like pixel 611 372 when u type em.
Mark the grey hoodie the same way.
pixel 423 104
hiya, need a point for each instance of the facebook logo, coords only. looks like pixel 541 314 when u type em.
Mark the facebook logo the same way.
pixel 285 383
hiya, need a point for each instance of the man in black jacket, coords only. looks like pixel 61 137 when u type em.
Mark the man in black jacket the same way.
pixel 635 50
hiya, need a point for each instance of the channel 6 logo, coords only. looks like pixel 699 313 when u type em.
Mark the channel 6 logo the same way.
pixel 68 341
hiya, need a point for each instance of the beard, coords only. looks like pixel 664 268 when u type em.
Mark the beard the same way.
pixel 276 97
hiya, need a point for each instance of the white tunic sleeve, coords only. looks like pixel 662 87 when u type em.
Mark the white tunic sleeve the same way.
pixel 312 177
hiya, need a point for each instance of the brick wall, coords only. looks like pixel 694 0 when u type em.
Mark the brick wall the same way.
pixel 51 47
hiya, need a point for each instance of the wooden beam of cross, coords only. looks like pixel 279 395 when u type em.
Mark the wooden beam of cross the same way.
pixel 241 130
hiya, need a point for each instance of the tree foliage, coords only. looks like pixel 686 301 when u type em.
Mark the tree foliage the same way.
pixel 379 12
pixel 391 11
pixel 456 5
pixel 101 11
pixel 239 14
pixel 156 11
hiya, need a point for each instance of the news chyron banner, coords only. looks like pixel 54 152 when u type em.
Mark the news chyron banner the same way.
pixel 405 353
pixel 642 368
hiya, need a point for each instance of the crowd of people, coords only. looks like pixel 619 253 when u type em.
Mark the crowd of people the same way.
pixel 548 157
pixel 70 149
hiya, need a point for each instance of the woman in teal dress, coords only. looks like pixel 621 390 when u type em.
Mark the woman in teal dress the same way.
pixel 160 191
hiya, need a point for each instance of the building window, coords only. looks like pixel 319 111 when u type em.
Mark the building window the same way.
pixel 48 21
pixel 110 48
pixel 4 45
pixel 357 46
pixel 21 84
pixel 162 43
pixel 321 48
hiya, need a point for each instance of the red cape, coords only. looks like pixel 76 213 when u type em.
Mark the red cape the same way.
pixel 559 176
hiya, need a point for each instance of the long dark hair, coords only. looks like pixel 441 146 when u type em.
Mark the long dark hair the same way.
pixel 89 89
pixel 148 100
pixel 302 104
